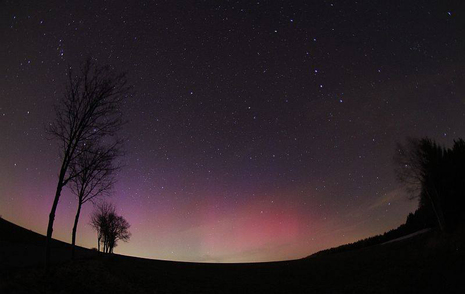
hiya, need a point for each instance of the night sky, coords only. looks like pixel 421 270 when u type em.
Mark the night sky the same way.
pixel 258 130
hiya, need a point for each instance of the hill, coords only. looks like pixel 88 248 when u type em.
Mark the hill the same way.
pixel 421 220
pixel 21 247
pixel 425 263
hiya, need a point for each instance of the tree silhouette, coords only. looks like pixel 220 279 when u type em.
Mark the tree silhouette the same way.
pixel 109 226
pixel 99 220
pixel 88 113
pixel 117 229
pixel 417 164
pixel 435 174
pixel 95 169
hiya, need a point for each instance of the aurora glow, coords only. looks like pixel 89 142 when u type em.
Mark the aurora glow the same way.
pixel 258 130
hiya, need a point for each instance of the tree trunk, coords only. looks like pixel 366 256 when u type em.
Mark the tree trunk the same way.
pixel 437 208
pixel 76 219
pixel 51 219
pixel 98 243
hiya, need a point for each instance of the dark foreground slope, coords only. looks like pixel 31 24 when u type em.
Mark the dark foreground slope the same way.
pixel 425 263
pixel 20 247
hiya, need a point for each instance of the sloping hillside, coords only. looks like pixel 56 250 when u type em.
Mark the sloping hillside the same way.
pixel 424 263
pixel 20 247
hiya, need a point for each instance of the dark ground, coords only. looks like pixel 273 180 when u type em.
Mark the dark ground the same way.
pixel 427 263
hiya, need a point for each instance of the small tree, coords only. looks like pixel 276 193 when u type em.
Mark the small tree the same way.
pixel 88 112
pixel 99 220
pixel 109 226
pixel 118 229
pixel 95 169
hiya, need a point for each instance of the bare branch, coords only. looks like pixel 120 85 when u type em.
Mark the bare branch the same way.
pixel 87 119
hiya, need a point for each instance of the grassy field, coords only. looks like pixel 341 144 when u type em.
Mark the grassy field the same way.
pixel 427 263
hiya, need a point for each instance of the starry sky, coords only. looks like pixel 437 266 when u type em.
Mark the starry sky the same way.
pixel 258 130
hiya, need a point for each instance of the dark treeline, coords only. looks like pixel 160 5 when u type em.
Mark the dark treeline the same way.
pixel 421 219
pixel 433 174
pixel 436 175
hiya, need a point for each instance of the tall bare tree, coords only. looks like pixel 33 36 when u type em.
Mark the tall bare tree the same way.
pixel 418 164
pixel 89 111
pixel 95 167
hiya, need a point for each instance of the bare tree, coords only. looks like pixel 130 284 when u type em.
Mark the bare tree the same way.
pixel 99 220
pixel 94 167
pixel 89 111
pixel 417 164
pixel 110 227
pixel 118 229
